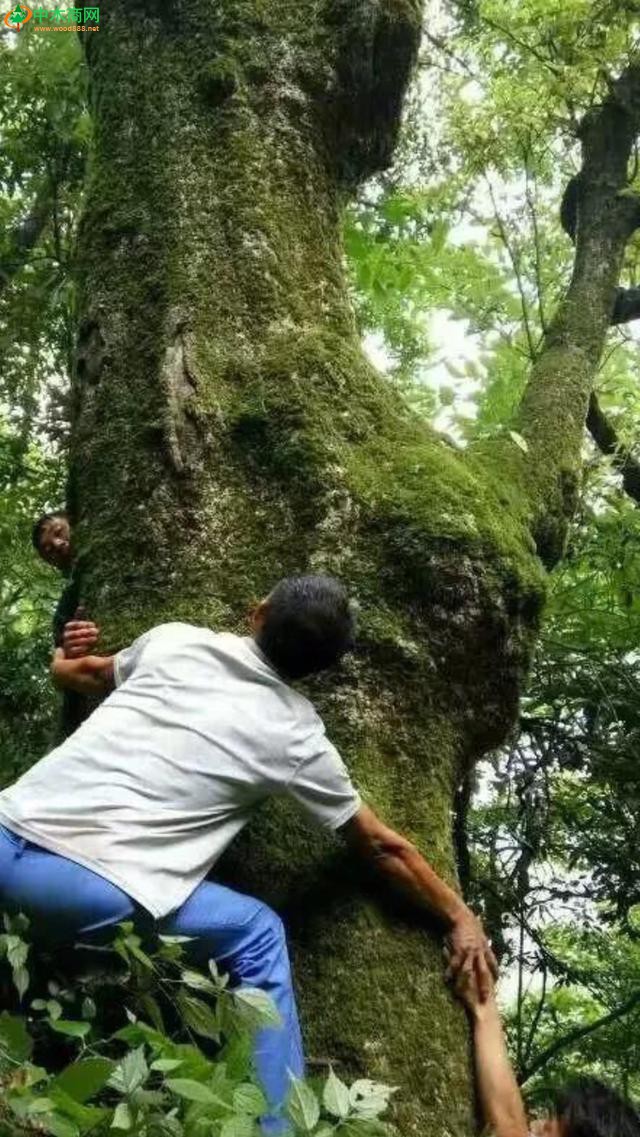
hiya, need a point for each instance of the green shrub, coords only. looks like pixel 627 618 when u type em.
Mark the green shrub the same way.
pixel 139 1043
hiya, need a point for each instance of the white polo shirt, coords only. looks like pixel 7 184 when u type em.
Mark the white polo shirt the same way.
pixel 154 786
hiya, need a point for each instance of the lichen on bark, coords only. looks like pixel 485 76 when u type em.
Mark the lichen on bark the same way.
pixel 228 430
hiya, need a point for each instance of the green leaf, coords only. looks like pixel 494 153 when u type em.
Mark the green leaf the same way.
pixel 89 1009
pixel 14 1037
pixel 519 441
pixel 131 1073
pixel 192 1091
pixel 133 944
pixel 167 1065
pixel 16 925
pixel 240 1126
pixel 122 1117
pixel 17 951
pixel 335 1097
pixel 70 1027
pixel 198 982
pixel 33 1075
pixel 237 1056
pixel 86 1117
pixel 151 1008
pixel 21 980
pixel 40 1105
pixel 256 1007
pixel 248 1098
pixel 199 1016
pixel 58 1125
pixel 370 1099
pixel 82 1080
pixel 302 1105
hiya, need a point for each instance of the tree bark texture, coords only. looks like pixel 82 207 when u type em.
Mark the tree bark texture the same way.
pixel 228 430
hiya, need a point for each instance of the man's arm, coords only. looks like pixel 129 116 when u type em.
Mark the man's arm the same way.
pixel 88 674
pixel 401 863
pixel 500 1097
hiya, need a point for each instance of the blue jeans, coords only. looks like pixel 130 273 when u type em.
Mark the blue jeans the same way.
pixel 64 900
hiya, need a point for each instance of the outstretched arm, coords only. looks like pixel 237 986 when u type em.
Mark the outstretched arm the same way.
pixel 402 864
pixel 88 674
pixel 500 1097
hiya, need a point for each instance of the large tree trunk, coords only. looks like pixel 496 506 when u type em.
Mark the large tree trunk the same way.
pixel 228 430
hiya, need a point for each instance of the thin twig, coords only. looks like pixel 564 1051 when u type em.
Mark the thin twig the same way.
pixel 515 264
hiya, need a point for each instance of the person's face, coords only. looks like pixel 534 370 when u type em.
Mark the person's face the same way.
pixel 54 544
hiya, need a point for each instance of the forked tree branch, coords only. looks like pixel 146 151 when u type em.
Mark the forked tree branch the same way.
pixel 554 408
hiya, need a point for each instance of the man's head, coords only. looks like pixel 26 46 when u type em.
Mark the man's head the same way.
pixel 51 537
pixel 305 625
pixel 588 1108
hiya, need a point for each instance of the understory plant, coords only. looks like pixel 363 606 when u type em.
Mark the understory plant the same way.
pixel 132 1039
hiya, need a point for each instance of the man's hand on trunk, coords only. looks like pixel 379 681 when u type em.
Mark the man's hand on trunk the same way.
pixel 399 860
pixel 80 636
pixel 469 952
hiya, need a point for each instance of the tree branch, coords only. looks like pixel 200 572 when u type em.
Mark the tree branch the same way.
pixel 627 306
pixel 527 48
pixel 538 1014
pixel 608 443
pixel 554 407
pixel 378 50
pixel 515 264
pixel 577 1035
pixel 21 241
pixel 533 213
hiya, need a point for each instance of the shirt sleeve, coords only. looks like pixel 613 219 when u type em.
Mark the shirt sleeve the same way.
pixel 322 785
pixel 126 661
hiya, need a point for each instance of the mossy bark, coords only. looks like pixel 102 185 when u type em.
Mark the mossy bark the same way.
pixel 228 430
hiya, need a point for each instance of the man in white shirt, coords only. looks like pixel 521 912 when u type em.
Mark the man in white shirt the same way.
pixel 132 811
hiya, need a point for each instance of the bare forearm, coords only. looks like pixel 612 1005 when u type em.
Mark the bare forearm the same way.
pixel 403 866
pixel 407 870
pixel 499 1093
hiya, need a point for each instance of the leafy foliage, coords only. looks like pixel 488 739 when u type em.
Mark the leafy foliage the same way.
pixel 137 1076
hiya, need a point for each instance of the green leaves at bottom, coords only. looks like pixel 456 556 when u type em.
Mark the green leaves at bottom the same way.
pixel 303 1107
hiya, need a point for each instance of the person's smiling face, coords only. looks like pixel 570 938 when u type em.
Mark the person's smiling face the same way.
pixel 54 543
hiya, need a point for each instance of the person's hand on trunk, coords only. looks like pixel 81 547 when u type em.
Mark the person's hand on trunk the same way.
pixel 469 954
pixel 80 636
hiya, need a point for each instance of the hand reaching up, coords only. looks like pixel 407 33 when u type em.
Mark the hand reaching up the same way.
pixel 469 953
pixel 468 988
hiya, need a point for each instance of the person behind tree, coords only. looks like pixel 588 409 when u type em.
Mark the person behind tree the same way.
pixel 587 1108
pixel 126 818
pixel 51 537
pixel 52 540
